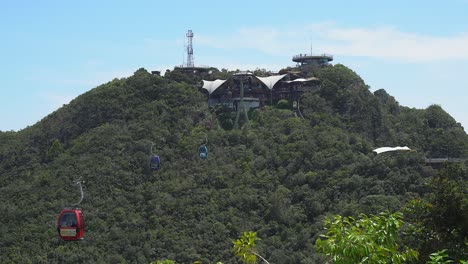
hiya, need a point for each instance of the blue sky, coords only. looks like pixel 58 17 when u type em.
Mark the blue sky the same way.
pixel 53 51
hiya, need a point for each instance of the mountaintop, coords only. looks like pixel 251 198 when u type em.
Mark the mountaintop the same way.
pixel 279 175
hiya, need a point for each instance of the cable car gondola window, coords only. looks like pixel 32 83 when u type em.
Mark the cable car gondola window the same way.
pixel 155 163
pixel 68 219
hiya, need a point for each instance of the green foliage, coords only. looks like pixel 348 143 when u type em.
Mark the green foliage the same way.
pixel 244 248
pixel 179 76
pixel 439 257
pixel 167 261
pixel 55 150
pixel 440 218
pixel 373 239
pixel 283 104
pixel 281 175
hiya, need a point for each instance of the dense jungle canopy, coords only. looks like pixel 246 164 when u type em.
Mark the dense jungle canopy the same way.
pixel 279 175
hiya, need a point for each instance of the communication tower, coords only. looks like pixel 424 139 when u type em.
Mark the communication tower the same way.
pixel 190 67
pixel 190 62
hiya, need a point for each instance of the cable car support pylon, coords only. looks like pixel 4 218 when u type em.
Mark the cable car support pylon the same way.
pixel 81 191
pixel 241 106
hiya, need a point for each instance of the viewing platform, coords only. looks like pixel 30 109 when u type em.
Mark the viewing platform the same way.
pixel 313 59
pixel 192 69
pixel 443 160
pixel 438 163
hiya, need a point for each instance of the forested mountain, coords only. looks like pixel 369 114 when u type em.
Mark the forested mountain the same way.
pixel 279 175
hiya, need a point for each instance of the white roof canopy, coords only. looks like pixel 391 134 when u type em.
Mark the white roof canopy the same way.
pixel 271 80
pixel 211 86
pixel 385 149
pixel 302 80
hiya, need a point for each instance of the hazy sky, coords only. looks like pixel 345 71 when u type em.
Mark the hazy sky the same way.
pixel 53 51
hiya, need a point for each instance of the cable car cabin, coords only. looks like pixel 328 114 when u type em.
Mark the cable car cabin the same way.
pixel 71 224
pixel 155 163
pixel 203 152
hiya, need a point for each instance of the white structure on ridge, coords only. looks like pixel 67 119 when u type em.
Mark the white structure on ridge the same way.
pixel 210 86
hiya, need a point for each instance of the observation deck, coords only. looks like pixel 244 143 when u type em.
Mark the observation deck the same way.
pixel 313 59
pixel 192 69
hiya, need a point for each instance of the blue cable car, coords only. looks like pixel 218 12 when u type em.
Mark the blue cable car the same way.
pixel 155 162
pixel 203 152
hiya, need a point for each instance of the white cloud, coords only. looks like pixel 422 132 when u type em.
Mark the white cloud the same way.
pixel 381 42
pixel 389 43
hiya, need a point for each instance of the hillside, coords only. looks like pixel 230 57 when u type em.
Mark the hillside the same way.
pixel 279 176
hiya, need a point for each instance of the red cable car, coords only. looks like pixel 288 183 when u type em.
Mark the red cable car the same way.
pixel 71 224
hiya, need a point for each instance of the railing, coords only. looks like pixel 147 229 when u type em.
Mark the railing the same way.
pixel 442 160
pixel 195 66
pixel 328 56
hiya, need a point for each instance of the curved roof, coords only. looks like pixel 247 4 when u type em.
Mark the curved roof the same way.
pixel 303 80
pixel 385 149
pixel 271 80
pixel 211 86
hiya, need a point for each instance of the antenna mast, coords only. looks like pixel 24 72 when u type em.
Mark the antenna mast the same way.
pixel 189 36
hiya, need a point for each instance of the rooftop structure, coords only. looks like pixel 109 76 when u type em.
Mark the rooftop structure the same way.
pixel 257 91
pixel 312 59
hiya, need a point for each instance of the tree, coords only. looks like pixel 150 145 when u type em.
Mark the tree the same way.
pixel 244 248
pixel 55 149
pixel 167 261
pixel 280 176
pixel 368 239
pixel 283 104
pixel 441 257
pixel 439 219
